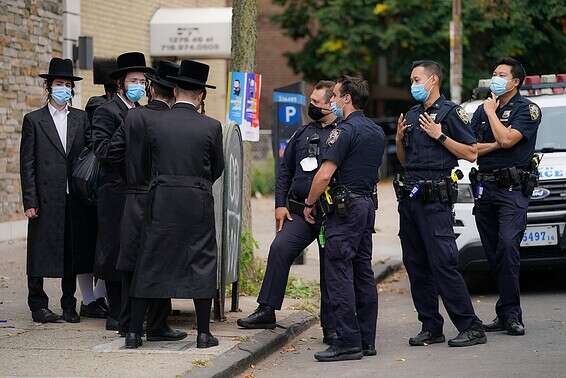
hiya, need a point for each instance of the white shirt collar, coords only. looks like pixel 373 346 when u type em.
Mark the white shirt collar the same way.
pixel 125 102
pixel 53 110
pixel 186 102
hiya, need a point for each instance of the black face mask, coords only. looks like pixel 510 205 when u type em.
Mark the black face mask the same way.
pixel 315 113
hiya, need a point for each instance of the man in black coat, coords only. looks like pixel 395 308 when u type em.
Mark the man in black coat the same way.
pixel 101 69
pixel 178 258
pixel 52 138
pixel 129 143
pixel 111 193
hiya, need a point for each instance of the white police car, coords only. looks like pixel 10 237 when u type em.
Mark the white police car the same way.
pixel 544 241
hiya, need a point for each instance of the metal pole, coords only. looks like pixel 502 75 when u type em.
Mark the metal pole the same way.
pixel 456 52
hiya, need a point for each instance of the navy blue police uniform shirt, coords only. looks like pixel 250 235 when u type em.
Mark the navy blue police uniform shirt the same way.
pixel 356 146
pixel 425 157
pixel 292 180
pixel 520 114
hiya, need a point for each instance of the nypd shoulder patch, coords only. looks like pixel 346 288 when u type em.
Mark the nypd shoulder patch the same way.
pixel 333 137
pixel 534 112
pixel 463 115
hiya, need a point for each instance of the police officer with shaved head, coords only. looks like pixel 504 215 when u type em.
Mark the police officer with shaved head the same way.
pixel 430 139
pixel 506 126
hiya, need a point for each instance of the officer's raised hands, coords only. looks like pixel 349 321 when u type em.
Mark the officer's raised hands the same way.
pixel 401 127
pixel 281 214
pixel 491 104
pixel 433 129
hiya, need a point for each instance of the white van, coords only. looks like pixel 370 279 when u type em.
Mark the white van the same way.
pixel 544 241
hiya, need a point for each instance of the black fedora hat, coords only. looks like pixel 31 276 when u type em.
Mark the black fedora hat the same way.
pixel 101 69
pixel 130 62
pixel 192 75
pixel 60 69
pixel 164 70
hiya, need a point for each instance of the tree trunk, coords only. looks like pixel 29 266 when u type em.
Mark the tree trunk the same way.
pixel 244 36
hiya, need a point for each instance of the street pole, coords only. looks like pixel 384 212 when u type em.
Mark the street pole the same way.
pixel 456 52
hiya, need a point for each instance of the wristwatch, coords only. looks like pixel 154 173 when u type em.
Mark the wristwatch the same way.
pixel 309 206
pixel 442 138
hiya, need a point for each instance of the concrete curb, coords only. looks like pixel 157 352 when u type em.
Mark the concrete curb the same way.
pixel 383 269
pixel 239 358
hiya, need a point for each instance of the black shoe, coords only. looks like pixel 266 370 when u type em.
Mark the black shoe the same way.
pixel 45 315
pixel 329 336
pixel 369 350
pixel 495 326
pixel 426 338
pixel 334 353
pixel 168 335
pixel 112 324
pixel 133 340
pixel 472 336
pixel 70 316
pixel 101 302
pixel 93 310
pixel 262 318
pixel 515 328
pixel 206 340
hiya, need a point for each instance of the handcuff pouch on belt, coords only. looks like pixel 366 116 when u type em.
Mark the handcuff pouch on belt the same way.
pixel 443 190
pixel 341 201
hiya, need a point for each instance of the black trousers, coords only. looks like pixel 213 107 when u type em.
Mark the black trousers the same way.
pixel 114 295
pixel 37 298
pixel 157 309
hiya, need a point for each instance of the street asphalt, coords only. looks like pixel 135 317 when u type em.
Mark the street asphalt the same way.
pixel 541 353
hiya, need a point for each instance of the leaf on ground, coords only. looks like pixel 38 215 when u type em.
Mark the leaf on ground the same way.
pixel 401 359
pixel 290 348
pixel 201 363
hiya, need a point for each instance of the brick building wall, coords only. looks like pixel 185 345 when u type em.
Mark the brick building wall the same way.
pixel 30 34
pixel 123 25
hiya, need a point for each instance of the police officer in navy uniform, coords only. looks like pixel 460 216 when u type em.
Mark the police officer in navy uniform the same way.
pixel 430 140
pixel 506 127
pixel 351 159
pixel 294 234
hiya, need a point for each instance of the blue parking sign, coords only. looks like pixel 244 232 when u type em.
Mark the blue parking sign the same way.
pixel 289 114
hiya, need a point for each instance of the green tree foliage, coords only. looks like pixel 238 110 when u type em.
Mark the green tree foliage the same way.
pixel 347 36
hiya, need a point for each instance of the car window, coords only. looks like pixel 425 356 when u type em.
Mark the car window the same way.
pixel 552 129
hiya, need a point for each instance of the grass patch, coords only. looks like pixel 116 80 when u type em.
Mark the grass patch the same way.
pixel 201 363
pixel 263 176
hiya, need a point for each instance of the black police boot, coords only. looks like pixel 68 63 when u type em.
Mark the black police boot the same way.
pixel 369 350
pixel 133 340
pixel 206 340
pixel 329 336
pixel 70 316
pixel 426 338
pixel 495 326
pixel 472 336
pixel 334 353
pixel 515 328
pixel 262 318
pixel 45 315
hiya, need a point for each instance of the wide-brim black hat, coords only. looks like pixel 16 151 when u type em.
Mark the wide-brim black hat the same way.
pixel 101 69
pixel 61 69
pixel 164 70
pixel 192 75
pixel 130 62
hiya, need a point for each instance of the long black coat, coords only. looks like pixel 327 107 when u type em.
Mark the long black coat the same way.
pixel 45 169
pixel 129 145
pixel 178 259
pixel 111 192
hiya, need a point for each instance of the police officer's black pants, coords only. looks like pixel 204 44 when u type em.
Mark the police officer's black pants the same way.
pixel 430 257
pixel 157 309
pixel 37 298
pixel 349 276
pixel 501 217
pixel 293 238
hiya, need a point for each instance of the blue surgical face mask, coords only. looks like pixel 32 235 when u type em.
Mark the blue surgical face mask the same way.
pixel 61 94
pixel 338 112
pixel 135 92
pixel 418 91
pixel 498 85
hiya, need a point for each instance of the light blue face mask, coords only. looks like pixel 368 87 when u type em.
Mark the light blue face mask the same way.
pixel 498 85
pixel 135 92
pixel 418 91
pixel 338 112
pixel 61 94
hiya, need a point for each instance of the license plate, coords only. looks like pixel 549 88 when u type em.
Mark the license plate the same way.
pixel 541 235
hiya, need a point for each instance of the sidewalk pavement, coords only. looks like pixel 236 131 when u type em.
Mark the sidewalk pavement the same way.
pixel 87 349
